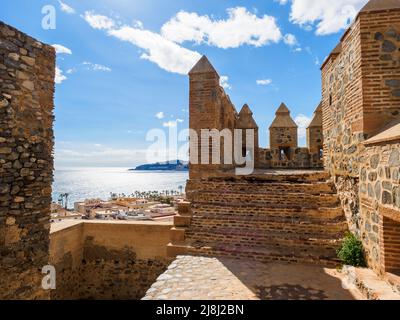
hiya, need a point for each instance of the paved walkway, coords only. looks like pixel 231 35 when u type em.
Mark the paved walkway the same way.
pixel 199 278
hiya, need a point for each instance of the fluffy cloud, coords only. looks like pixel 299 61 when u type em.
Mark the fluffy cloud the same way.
pixel 224 82
pixel 172 123
pixel 59 77
pixel 264 82
pixel 60 49
pixel 282 2
pixel 165 53
pixel 241 27
pixel 160 115
pixel 290 39
pixel 96 67
pixel 328 16
pixel 303 122
pixel 99 22
pixel 66 8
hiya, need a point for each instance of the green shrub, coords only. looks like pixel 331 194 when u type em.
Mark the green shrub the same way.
pixel 351 251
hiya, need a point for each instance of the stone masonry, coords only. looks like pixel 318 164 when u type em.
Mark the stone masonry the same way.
pixel 211 108
pixel 361 116
pixel 27 69
pixel 283 215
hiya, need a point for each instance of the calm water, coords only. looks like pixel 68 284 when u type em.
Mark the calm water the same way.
pixel 84 183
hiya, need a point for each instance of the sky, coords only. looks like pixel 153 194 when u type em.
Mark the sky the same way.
pixel 122 64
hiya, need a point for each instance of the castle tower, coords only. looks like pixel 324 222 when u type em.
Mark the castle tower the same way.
pixel 315 138
pixel 246 121
pixel 209 108
pixel 283 131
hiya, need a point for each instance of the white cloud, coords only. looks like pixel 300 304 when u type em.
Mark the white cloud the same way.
pixel 160 115
pixel 241 27
pixel 264 82
pixel 290 39
pixel 172 123
pixel 303 122
pixel 60 49
pixel 328 16
pixel 99 22
pixel 71 70
pixel 223 81
pixel 166 54
pixel 59 77
pixel 66 8
pixel 282 2
pixel 298 50
pixel 96 67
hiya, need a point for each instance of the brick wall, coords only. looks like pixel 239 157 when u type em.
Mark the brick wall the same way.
pixel 27 70
pixel 96 260
pixel 380 47
pixel 361 81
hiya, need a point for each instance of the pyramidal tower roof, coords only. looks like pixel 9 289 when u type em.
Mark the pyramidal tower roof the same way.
pixel 245 110
pixel 203 66
pixel 377 5
pixel 317 119
pixel 245 119
pixel 283 118
pixel 282 109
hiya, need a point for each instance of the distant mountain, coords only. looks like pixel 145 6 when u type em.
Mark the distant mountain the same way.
pixel 176 165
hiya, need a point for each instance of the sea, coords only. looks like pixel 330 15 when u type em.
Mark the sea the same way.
pixel 94 182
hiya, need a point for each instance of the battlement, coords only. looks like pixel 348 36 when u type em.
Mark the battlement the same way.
pixel 211 108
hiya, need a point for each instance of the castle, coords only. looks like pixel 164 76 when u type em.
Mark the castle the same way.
pixel 295 207
pixel 354 136
pixel 211 108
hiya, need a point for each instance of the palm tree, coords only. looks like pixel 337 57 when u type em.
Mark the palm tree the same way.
pixel 66 195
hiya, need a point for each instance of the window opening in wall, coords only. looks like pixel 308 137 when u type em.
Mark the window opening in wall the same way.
pixel 284 154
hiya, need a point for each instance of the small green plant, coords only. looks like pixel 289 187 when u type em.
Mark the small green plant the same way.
pixel 351 251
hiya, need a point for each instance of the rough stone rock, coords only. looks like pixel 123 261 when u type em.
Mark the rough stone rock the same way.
pixel 378 190
pixel 396 93
pixel 395 175
pixel 392 33
pixel 28 60
pixel 386 57
pixel 387 197
pixel 387 185
pixel 28 85
pixel 393 83
pixel 388 46
pixel 370 191
pixel 379 36
pixel 396 196
pixel 372 176
pixel 3 103
pixel 374 162
pixel 5 150
pixel 394 159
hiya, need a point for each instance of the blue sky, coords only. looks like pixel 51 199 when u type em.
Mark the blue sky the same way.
pixel 122 64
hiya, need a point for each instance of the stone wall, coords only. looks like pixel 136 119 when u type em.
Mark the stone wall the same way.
pixel 360 100
pixel 100 260
pixel 380 193
pixel 27 69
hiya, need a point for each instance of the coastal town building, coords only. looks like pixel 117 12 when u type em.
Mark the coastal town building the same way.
pixel 289 215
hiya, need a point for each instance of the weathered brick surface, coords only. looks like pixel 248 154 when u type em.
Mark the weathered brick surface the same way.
pixel 360 83
pixel 27 70
pixel 107 260
pixel 291 218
